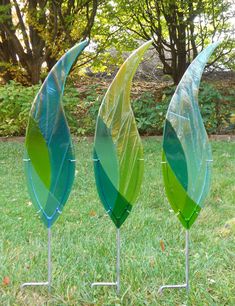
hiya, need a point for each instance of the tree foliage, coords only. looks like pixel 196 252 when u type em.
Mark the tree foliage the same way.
pixel 180 28
pixel 37 32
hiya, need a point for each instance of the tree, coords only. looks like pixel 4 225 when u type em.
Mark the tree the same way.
pixel 180 28
pixel 37 32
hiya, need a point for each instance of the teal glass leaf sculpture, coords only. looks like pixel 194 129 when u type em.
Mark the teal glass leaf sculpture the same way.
pixel 118 152
pixel 187 157
pixel 49 154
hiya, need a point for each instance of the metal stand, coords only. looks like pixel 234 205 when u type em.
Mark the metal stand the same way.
pixel 48 283
pixel 117 283
pixel 186 285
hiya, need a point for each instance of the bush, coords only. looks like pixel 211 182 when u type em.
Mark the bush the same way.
pixel 216 110
pixel 82 105
pixel 81 109
pixel 15 103
pixel 149 114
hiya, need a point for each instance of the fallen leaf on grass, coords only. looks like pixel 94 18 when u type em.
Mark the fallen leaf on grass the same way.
pixel 162 245
pixel 6 281
pixel 92 213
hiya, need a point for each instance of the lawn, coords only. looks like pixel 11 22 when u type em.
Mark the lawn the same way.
pixel 83 239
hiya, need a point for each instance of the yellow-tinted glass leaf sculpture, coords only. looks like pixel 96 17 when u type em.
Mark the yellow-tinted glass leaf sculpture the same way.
pixel 118 151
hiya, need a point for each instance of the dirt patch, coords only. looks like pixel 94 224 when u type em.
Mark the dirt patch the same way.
pixel 12 139
pixel 91 138
pixel 222 137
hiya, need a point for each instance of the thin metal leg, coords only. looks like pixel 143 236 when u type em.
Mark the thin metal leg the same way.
pixel 117 283
pixel 187 260
pixel 118 260
pixel 49 263
pixel 48 283
pixel 186 285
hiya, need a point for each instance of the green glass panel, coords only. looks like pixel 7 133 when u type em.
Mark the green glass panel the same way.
pixel 35 143
pixel 115 204
pixel 184 207
pixel 186 149
pixel 118 151
pixel 175 154
pixel 50 167
pixel 104 143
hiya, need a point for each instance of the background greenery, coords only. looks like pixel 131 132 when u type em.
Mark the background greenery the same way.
pixel 35 33
pixel 83 239
pixel 81 108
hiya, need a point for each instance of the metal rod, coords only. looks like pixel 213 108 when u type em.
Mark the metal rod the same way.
pixel 34 284
pixel 117 283
pixel 49 265
pixel 118 261
pixel 171 286
pixel 187 260
pixel 186 285
pixel 103 284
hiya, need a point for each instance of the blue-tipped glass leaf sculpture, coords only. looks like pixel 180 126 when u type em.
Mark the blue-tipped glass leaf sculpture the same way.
pixel 118 152
pixel 187 153
pixel 49 154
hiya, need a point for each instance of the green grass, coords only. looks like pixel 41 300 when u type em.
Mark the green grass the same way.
pixel 83 239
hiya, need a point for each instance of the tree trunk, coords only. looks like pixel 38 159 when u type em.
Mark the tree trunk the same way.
pixel 50 63
pixel 34 71
pixel 23 43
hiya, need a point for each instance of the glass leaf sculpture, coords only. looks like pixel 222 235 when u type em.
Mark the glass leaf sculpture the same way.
pixel 187 157
pixel 118 152
pixel 49 155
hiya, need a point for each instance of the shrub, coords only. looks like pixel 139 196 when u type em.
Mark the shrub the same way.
pixel 82 109
pixel 149 114
pixel 82 105
pixel 216 110
pixel 15 103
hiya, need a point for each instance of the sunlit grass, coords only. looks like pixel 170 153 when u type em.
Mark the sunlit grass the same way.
pixel 83 239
